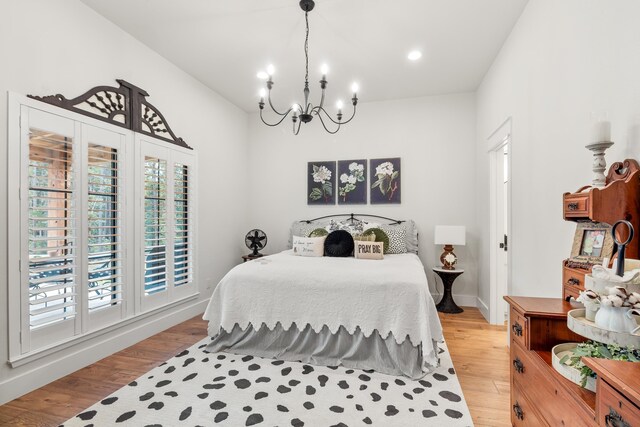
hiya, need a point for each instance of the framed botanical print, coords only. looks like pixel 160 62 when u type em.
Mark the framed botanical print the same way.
pixel 321 183
pixel 385 180
pixel 352 182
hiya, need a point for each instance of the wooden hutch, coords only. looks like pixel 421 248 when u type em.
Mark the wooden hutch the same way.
pixel 540 396
pixel 619 199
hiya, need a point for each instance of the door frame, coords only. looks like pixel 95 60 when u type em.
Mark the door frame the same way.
pixel 495 143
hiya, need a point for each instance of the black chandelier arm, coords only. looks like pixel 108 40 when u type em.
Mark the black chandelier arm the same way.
pixel 297 131
pixel 274 108
pixel 319 110
pixel 284 116
pixel 325 126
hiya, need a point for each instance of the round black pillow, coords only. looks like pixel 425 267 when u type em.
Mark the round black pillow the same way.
pixel 338 243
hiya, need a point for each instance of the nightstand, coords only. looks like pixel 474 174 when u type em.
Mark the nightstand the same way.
pixel 246 258
pixel 447 304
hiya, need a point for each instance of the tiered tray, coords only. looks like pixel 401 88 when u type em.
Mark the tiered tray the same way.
pixel 569 372
pixel 588 329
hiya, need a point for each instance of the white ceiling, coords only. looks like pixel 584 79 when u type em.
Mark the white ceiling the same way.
pixel 224 43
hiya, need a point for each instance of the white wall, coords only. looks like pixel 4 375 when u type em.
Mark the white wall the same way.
pixel 563 61
pixel 434 136
pixel 62 46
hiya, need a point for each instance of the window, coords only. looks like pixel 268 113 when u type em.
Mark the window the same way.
pixel 155 225
pixel 81 230
pixel 52 229
pixel 182 242
pixel 105 254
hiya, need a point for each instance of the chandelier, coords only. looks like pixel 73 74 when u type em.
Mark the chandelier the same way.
pixel 304 113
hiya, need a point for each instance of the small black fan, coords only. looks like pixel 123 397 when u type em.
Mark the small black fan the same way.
pixel 255 240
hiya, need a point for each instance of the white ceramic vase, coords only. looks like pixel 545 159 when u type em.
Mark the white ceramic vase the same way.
pixel 617 319
pixel 591 309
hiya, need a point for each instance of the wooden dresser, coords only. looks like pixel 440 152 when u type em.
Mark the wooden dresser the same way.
pixel 540 396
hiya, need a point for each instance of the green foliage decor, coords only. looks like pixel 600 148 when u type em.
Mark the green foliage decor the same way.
pixel 598 350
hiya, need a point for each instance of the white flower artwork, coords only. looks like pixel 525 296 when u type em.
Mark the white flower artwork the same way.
pixel 352 188
pixel 321 183
pixel 385 181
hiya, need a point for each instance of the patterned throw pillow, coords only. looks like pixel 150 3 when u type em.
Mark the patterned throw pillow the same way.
pixel 381 236
pixel 397 241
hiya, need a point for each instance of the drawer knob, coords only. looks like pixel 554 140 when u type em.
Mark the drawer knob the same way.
pixel 517 329
pixel 518 411
pixel 613 419
pixel 573 206
pixel 517 364
pixel 573 281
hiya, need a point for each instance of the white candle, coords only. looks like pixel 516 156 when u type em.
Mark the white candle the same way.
pixel 601 131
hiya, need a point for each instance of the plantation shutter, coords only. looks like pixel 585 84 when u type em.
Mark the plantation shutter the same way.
pixel 51 228
pixel 183 247
pixel 167 236
pixel 183 224
pixel 107 281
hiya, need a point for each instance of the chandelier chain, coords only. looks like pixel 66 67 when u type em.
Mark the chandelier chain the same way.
pixel 306 48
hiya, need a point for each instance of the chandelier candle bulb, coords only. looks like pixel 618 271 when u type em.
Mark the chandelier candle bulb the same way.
pixel 270 70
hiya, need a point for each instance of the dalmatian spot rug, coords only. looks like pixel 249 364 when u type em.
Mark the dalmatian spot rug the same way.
pixel 196 388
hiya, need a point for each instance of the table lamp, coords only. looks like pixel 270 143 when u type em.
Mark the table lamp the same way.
pixel 449 235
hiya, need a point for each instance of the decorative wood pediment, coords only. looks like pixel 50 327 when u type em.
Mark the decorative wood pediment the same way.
pixel 124 106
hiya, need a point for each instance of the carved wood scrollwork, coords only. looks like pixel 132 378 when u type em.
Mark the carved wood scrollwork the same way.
pixel 123 106
pixel 620 171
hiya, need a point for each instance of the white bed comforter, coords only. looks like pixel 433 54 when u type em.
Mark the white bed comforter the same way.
pixel 390 296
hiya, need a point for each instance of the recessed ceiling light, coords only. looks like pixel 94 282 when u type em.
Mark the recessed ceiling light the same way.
pixel 262 75
pixel 414 55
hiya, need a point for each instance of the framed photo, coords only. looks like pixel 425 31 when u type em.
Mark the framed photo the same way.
pixel 592 242
pixel 352 182
pixel 385 181
pixel 321 183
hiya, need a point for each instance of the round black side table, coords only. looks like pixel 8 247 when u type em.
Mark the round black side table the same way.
pixel 447 304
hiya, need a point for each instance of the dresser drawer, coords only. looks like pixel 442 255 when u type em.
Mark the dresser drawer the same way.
pixel 519 328
pixel 614 409
pixel 576 205
pixel 522 414
pixel 530 373
pixel 572 278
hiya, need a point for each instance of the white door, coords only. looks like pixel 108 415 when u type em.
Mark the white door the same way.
pixel 502 230
pixel 499 149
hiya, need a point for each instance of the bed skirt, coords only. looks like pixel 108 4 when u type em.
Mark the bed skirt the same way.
pixel 324 348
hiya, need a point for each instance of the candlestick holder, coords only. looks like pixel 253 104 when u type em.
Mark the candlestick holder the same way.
pixel 599 162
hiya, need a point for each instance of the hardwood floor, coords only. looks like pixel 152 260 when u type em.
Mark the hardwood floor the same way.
pixel 478 350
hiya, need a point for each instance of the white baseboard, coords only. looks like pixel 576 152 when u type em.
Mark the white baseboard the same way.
pixel 76 357
pixel 461 300
pixel 484 309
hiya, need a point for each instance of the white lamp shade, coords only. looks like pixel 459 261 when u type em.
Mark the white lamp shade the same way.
pixel 450 235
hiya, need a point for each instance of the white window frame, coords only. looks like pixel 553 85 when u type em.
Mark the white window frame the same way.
pixel 86 326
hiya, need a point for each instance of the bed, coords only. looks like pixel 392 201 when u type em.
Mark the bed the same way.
pixel 362 314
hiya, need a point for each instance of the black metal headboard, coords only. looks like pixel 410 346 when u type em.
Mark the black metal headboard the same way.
pixel 352 218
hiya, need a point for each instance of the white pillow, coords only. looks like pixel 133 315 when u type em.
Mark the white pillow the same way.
pixel 308 246
pixel 368 250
